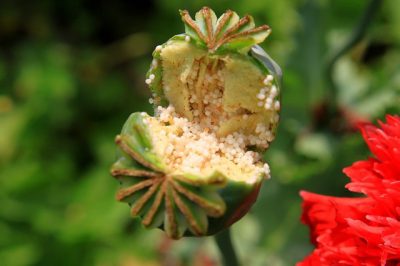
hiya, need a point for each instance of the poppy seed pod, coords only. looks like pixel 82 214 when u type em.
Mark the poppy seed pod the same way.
pixel 196 167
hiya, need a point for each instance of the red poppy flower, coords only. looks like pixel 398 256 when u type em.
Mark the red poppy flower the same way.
pixel 363 231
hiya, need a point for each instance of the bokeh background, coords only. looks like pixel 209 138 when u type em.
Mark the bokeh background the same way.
pixel 72 71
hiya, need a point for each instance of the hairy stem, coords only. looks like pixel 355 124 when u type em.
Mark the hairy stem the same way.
pixel 226 248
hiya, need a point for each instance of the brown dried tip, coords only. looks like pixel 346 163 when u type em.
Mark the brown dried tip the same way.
pixel 214 33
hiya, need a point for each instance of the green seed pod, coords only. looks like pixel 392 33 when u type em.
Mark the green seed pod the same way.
pixel 195 168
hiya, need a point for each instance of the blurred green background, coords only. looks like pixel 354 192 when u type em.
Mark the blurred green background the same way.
pixel 72 71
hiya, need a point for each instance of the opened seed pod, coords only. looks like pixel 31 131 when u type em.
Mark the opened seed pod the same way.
pixel 195 167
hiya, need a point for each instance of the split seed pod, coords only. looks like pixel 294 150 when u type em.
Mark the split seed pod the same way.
pixel 195 168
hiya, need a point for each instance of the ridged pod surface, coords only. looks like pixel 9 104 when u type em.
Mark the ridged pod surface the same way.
pixel 217 57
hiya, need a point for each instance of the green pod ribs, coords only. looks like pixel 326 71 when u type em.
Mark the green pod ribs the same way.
pixel 195 167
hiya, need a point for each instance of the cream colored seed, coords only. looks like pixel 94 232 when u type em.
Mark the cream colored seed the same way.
pixel 152 76
pixel 268 79
pixel 261 96
pixel 277 105
pixel 158 48
pixel 274 91
pixel 148 81
pixel 187 38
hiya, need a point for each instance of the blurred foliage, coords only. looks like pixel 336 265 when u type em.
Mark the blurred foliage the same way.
pixel 72 71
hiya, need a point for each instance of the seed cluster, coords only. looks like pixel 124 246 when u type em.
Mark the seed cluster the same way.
pixel 190 149
pixel 206 84
pixel 206 91
pixel 266 96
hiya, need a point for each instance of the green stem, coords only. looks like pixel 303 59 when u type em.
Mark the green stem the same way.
pixel 226 248
pixel 356 36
